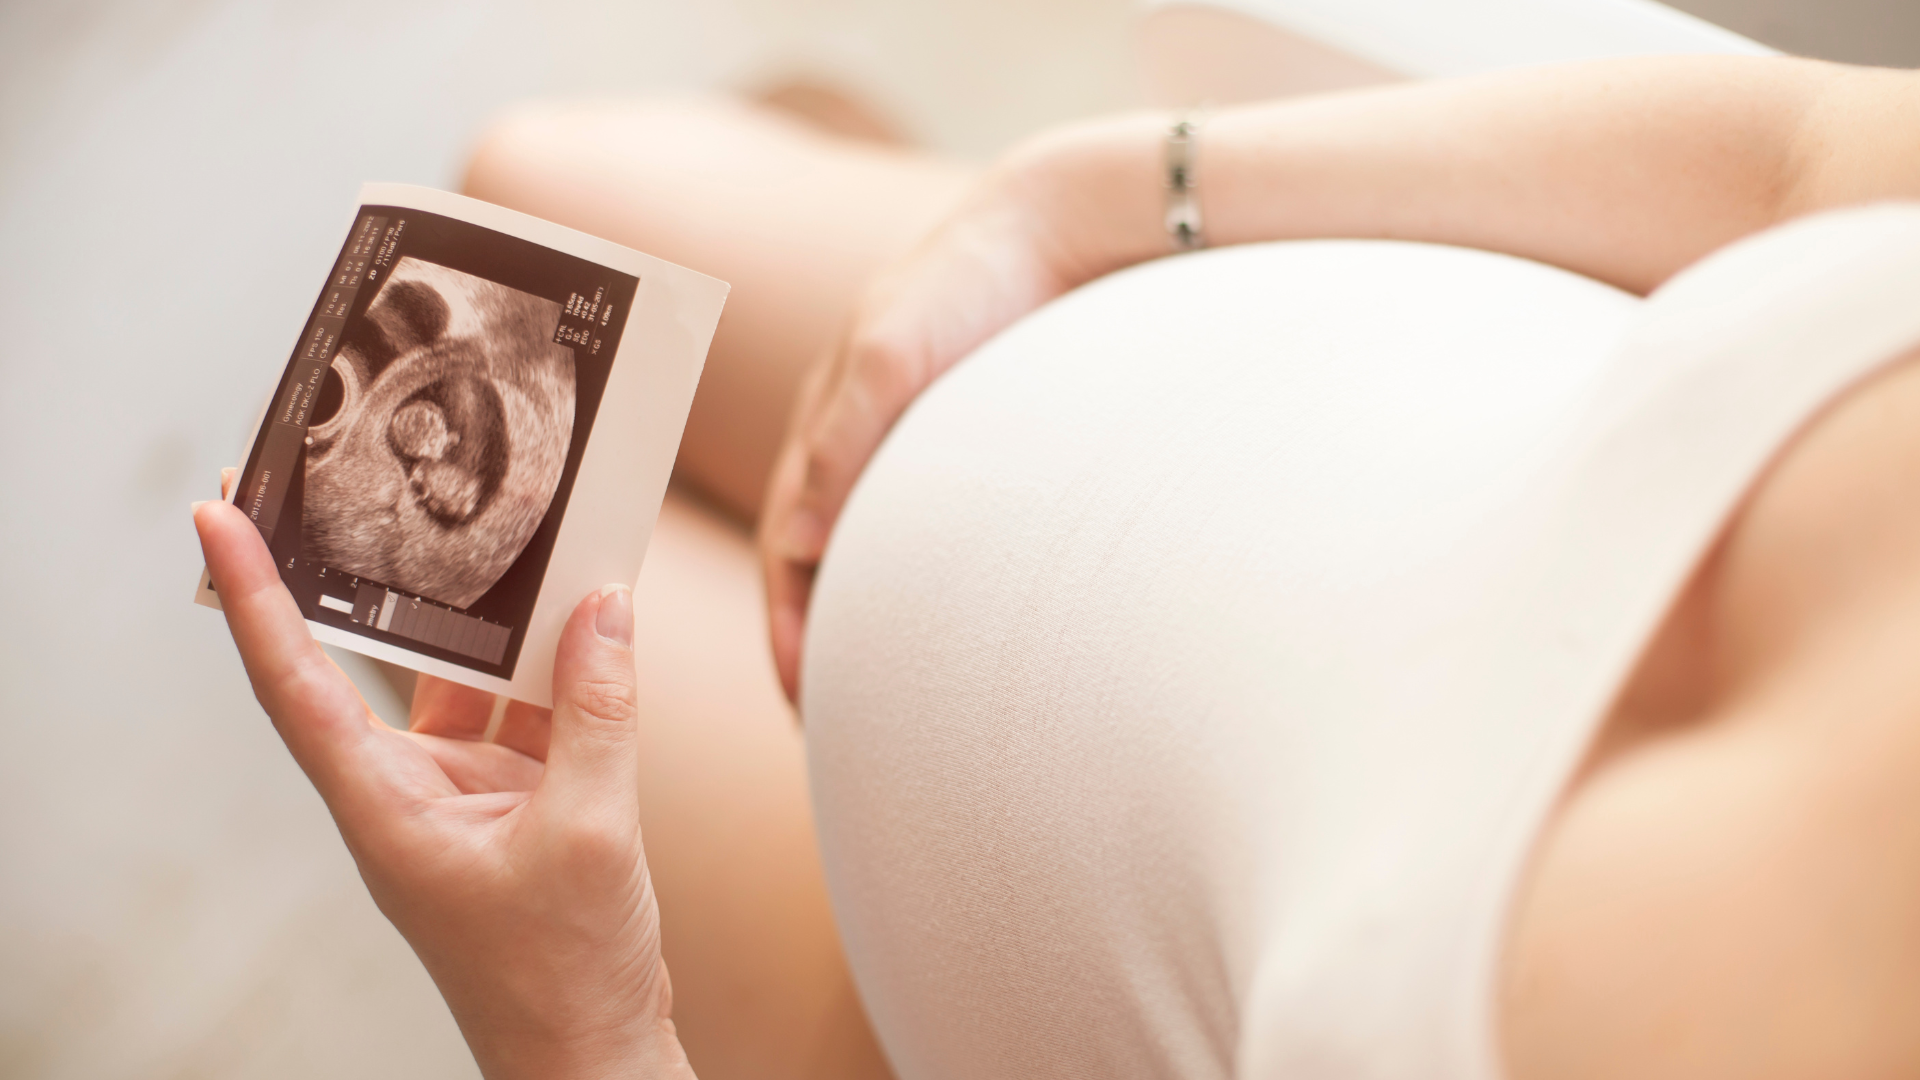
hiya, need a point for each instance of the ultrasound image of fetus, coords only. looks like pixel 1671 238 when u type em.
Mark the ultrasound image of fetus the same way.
pixel 447 492
pixel 447 469
pixel 440 436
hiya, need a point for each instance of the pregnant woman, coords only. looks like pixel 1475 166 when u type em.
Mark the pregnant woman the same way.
pixel 1352 658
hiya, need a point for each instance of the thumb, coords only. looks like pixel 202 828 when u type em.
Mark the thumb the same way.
pixel 595 702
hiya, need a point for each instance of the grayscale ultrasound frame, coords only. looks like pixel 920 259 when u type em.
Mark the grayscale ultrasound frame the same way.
pixel 437 465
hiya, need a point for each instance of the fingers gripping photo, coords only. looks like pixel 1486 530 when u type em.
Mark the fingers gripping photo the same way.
pixel 440 436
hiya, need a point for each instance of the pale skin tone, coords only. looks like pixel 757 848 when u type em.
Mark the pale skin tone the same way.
pixel 1727 889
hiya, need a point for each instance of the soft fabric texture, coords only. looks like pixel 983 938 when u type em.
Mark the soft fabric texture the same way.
pixel 1194 666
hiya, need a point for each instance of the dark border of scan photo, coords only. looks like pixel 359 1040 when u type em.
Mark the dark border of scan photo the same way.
pixel 474 429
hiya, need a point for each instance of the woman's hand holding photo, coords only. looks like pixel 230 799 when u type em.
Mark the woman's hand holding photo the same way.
pixel 514 868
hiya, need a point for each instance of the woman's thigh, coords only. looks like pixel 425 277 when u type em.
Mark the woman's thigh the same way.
pixel 795 219
pixel 760 985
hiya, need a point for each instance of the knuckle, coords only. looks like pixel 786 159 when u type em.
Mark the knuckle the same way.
pixel 890 372
pixel 299 684
pixel 602 841
pixel 593 846
pixel 882 359
pixel 606 698
pixel 823 468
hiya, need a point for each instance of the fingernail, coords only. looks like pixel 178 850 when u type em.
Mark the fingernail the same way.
pixel 615 621
pixel 805 535
pixel 198 503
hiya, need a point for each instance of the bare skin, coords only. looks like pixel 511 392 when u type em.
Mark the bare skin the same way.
pixel 1626 171
pixel 795 219
pixel 1729 888
pixel 1726 890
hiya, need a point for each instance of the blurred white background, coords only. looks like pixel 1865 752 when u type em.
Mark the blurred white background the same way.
pixel 174 177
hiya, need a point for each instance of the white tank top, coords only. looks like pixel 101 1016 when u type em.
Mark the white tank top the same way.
pixel 1195 665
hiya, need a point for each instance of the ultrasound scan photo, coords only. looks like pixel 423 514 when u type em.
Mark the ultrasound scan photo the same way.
pixel 439 438
pixel 474 429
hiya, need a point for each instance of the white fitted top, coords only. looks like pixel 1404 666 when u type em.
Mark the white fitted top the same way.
pixel 1195 664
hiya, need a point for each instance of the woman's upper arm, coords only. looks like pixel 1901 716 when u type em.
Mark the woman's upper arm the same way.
pixel 1858 142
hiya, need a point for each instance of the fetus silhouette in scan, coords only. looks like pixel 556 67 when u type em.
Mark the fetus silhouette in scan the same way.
pixel 440 436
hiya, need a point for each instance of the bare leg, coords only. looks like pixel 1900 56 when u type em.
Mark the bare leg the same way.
pixel 760 985
pixel 797 221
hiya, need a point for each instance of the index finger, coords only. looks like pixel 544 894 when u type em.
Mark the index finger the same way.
pixel 789 588
pixel 785 580
pixel 845 412
pixel 312 703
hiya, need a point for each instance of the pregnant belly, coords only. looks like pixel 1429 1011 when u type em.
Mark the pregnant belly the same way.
pixel 1119 664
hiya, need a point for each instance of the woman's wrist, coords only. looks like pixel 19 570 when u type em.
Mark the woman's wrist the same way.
pixel 1095 193
pixel 653 1054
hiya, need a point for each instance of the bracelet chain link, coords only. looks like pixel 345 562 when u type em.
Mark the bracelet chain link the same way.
pixel 1183 210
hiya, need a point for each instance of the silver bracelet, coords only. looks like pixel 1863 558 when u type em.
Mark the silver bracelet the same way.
pixel 1183 210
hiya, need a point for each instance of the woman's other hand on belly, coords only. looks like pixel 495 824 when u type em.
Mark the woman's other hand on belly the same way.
pixel 988 265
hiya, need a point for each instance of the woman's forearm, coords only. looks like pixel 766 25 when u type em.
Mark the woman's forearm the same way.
pixel 1624 170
